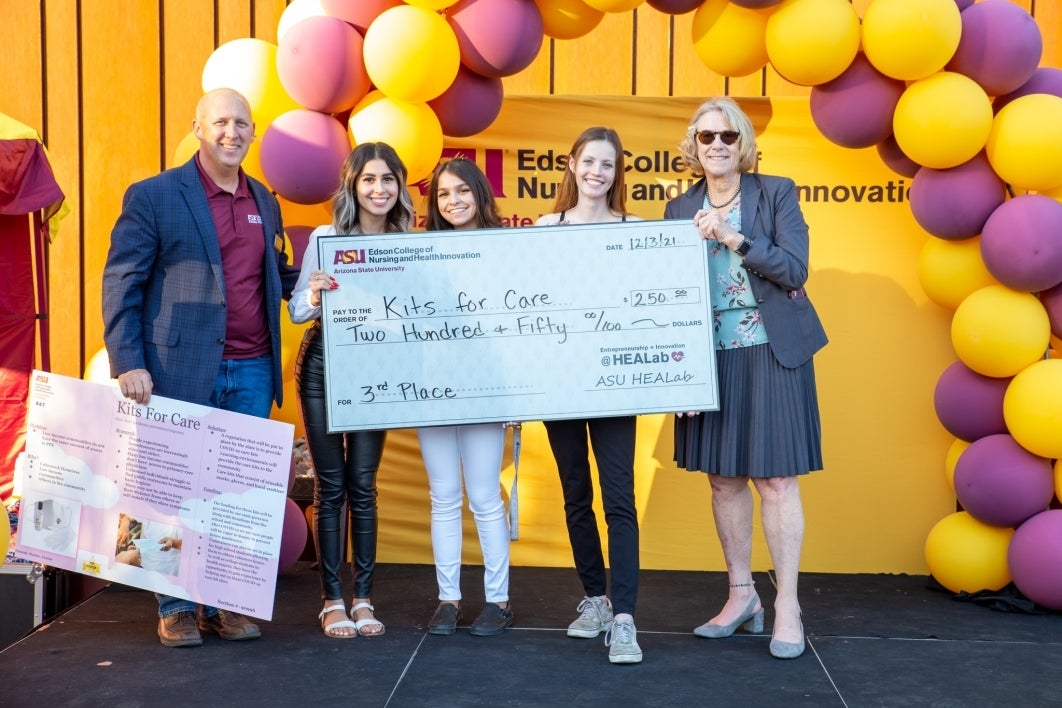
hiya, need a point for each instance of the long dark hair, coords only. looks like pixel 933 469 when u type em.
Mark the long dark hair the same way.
pixel 487 213
pixel 345 200
pixel 568 192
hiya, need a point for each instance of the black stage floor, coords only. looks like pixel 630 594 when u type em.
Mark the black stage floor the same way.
pixel 873 640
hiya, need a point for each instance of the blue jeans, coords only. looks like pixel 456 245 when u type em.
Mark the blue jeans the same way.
pixel 242 386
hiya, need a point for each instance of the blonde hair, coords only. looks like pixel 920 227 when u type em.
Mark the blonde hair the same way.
pixel 735 119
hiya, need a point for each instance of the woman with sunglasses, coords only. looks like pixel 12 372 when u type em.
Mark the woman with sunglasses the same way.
pixel 767 428
pixel 459 197
pixel 592 192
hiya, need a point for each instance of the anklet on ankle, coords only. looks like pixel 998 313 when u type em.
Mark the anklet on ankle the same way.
pixel 749 584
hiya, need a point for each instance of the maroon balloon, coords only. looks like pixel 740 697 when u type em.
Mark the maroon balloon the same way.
pixel 319 62
pixel 1046 79
pixel 497 37
pixel 955 203
pixel 895 159
pixel 1000 483
pixel 855 109
pixel 969 405
pixel 1000 46
pixel 1034 558
pixel 1021 243
pixel 470 105
pixel 755 4
pixel 963 4
pixel 1051 299
pixel 359 13
pixel 675 7
pixel 294 533
pixel 302 152
pixel 299 236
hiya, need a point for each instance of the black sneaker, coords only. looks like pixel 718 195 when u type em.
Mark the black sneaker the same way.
pixel 494 619
pixel 445 619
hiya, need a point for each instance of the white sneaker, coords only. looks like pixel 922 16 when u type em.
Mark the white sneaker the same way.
pixel 595 617
pixel 622 642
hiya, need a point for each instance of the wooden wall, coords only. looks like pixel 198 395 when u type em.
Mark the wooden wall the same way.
pixel 111 86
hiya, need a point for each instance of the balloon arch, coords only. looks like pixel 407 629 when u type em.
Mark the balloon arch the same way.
pixel 950 92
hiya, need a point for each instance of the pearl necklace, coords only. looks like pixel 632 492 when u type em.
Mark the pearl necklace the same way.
pixel 708 198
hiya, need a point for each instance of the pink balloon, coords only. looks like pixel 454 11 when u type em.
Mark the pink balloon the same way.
pixel 1021 243
pixel 1046 79
pixel 319 62
pixel 1000 483
pixel 1034 559
pixel 675 7
pixel 359 13
pixel 293 536
pixel 470 105
pixel 955 203
pixel 497 37
pixel 895 159
pixel 969 405
pixel 1000 46
pixel 855 109
pixel 302 152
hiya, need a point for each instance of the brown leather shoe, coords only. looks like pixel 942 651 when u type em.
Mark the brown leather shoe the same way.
pixel 229 625
pixel 179 630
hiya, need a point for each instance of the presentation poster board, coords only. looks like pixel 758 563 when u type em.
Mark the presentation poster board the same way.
pixel 171 497
pixel 569 321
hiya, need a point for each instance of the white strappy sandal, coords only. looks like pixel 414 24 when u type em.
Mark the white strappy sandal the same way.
pixel 343 623
pixel 369 622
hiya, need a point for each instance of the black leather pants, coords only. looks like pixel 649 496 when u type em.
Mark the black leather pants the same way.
pixel 345 466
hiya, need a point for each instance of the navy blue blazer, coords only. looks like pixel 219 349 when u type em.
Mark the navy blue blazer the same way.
pixel 777 262
pixel 164 306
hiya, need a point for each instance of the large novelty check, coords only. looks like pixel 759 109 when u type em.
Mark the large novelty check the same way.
pixel 574 321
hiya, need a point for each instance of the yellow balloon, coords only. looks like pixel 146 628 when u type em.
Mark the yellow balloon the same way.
pixel 290 341
pixel 296 12
pixel 412 129
pixel 810 42
pixel 1025 144
pixel 998 332
pixel 950 270
pixel 730 39
pixel 411 54
pixel 966 555
pixel 567 19
pixel 5 533
pixel 1032 408
pixel 188 146
pixel 951 458
pixel 431 4
pixel 614 5
pixel 250 66
pixel 911 39
pixel 98 368
pixel 943 120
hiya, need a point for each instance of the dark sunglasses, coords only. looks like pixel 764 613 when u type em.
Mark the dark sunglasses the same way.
pixel 707 137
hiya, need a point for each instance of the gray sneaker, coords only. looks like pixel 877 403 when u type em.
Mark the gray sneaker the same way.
pixel 622 643
pixel 595 617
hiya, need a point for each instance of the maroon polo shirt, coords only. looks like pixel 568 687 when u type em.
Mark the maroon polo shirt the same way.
pixel 242 242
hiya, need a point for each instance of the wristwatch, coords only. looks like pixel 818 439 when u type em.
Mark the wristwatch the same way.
pixel 743 249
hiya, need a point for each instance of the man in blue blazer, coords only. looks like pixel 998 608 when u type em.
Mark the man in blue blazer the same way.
pixel 191 299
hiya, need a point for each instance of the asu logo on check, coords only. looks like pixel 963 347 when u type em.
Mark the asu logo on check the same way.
pixel 353 255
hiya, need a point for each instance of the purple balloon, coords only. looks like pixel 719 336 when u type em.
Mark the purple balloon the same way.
pixel 1034 559
pixel 855 109
pixel 497 37
pixel 895 159
pixel 955 203
pixel 963 4
pixel 293 536
pixel 302 152
pixel 968 404
pixel 1046 79
pixel 1021 243
pixel 1000 483
pixel 358 13
pixel 470 104
pixel 999 48
pixel 675 7
pixel 1051 299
